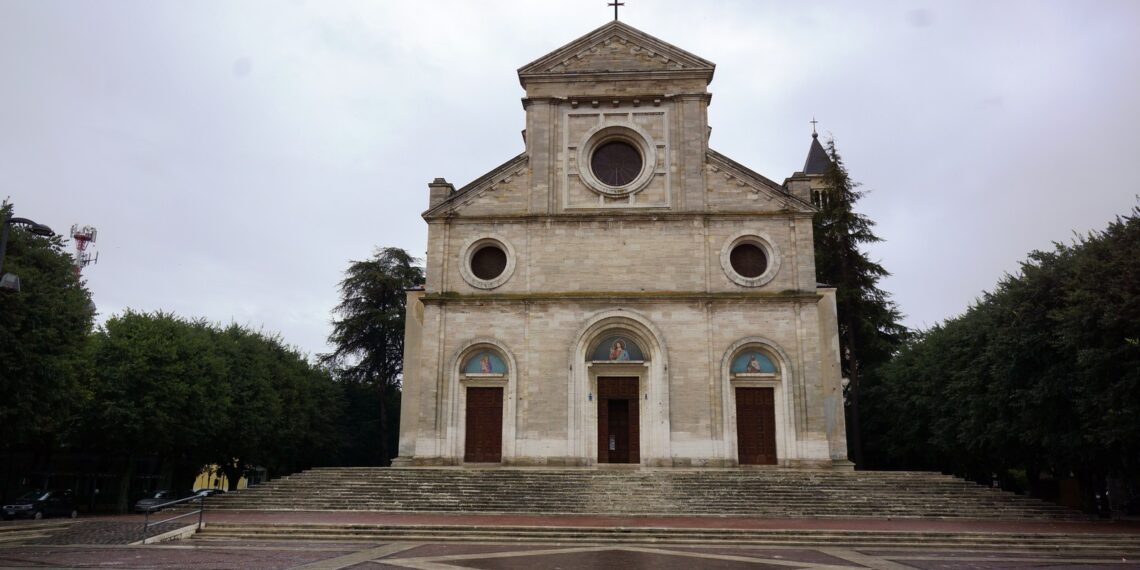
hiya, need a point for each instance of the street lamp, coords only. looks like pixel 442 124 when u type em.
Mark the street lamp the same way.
pixel 12 281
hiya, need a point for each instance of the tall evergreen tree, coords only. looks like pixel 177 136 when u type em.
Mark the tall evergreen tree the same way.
pixel 869 331
pixel 368 334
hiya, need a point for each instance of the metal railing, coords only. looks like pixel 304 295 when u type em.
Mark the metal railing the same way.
pixel 200 512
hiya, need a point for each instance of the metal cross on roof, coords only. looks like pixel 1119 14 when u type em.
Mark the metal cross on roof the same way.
pixel 813 122
pixel 615 4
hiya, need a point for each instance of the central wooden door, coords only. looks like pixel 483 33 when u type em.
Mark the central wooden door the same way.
pixel 619 421
pixel 484 425
pixel 618 427
pixel 756 426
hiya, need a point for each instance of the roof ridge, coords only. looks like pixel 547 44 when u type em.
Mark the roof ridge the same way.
pixel 752 173
pixel 543 64
pixel 477 183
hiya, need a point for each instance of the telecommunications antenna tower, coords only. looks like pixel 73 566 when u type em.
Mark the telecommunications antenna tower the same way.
pixel 83 236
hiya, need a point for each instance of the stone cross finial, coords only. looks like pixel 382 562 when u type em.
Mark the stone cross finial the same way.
pixel 615 4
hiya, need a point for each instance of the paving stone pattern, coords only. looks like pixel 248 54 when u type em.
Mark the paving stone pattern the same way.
pixel 805 543
pixel 104 532
pixel 304 556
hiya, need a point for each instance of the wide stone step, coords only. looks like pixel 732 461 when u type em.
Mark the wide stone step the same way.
pixel 364 533
pixel 773 513
pixel 784 493
pixel 799 499
pixel 696 501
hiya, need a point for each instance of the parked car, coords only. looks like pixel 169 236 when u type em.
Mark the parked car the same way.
pixel 209 492
pixel 40 504
pixel 151 502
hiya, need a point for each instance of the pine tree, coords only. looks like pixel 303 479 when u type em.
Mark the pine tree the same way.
pixel 869 331
pixel 369 336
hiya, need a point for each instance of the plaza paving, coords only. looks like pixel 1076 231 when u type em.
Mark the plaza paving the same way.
pixel 89 543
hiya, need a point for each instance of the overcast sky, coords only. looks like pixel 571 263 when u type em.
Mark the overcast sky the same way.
pixel 235 156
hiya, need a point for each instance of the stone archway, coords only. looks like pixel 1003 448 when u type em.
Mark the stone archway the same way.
pixel 481 416
pixel 766 435
pixel 650 375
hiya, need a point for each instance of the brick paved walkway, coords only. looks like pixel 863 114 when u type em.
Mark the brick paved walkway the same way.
pixel 104 532
pixel 488 556
pixel 89 543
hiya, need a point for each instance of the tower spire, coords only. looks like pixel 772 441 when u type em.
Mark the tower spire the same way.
pixel 817 159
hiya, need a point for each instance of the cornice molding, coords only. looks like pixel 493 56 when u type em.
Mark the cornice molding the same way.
pixel 607 214
pixel 620 297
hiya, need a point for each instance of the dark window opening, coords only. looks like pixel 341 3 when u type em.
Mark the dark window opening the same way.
pixel 489 262
pixel 748 260
pixel 616 163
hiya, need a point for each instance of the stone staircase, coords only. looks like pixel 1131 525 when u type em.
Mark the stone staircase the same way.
pixel 772 493
pixel 1087 543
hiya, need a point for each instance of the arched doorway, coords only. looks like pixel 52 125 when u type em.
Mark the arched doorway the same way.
pixel 483 378
pixel 755 404
pixel 618 408
pixel 619 398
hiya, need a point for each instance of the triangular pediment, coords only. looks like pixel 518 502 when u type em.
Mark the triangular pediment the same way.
pixel 738 181
pixel 616 48
pixel 502 191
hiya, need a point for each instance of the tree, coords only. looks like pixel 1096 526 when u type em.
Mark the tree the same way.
pixel 282 412
pixel 368 333
pixel 159 390
pixel 869 331
pixel 43 332
pixel 189 394
pixel 1040 375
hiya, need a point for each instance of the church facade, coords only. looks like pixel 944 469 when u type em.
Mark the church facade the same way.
pixel 620 293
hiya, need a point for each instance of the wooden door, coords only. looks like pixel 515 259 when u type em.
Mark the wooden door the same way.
pixel 756 426
pixel 484 425
pixel 619 421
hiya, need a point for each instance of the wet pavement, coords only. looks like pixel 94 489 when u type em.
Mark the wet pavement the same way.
pixel 104 532
pixel 313 556
pixel 86 543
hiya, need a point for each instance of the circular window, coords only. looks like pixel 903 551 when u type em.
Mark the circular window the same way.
pixel 617 159
pixel 616 163
pixel 750 258
pixel 488 262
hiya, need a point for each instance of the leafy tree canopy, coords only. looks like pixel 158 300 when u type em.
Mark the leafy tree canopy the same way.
pixel 43 330
pixel 194 393
pixel 1040 375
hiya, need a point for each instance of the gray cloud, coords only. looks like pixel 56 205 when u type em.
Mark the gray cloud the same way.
pixel 236 156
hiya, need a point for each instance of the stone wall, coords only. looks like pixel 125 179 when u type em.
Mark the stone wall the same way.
pixel 665 253
pixel 542 339
pixel 649 258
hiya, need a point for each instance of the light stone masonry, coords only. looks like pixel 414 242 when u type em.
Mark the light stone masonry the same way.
pixel 620 292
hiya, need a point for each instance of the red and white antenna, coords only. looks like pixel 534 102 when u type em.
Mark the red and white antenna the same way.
pixel 83 236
